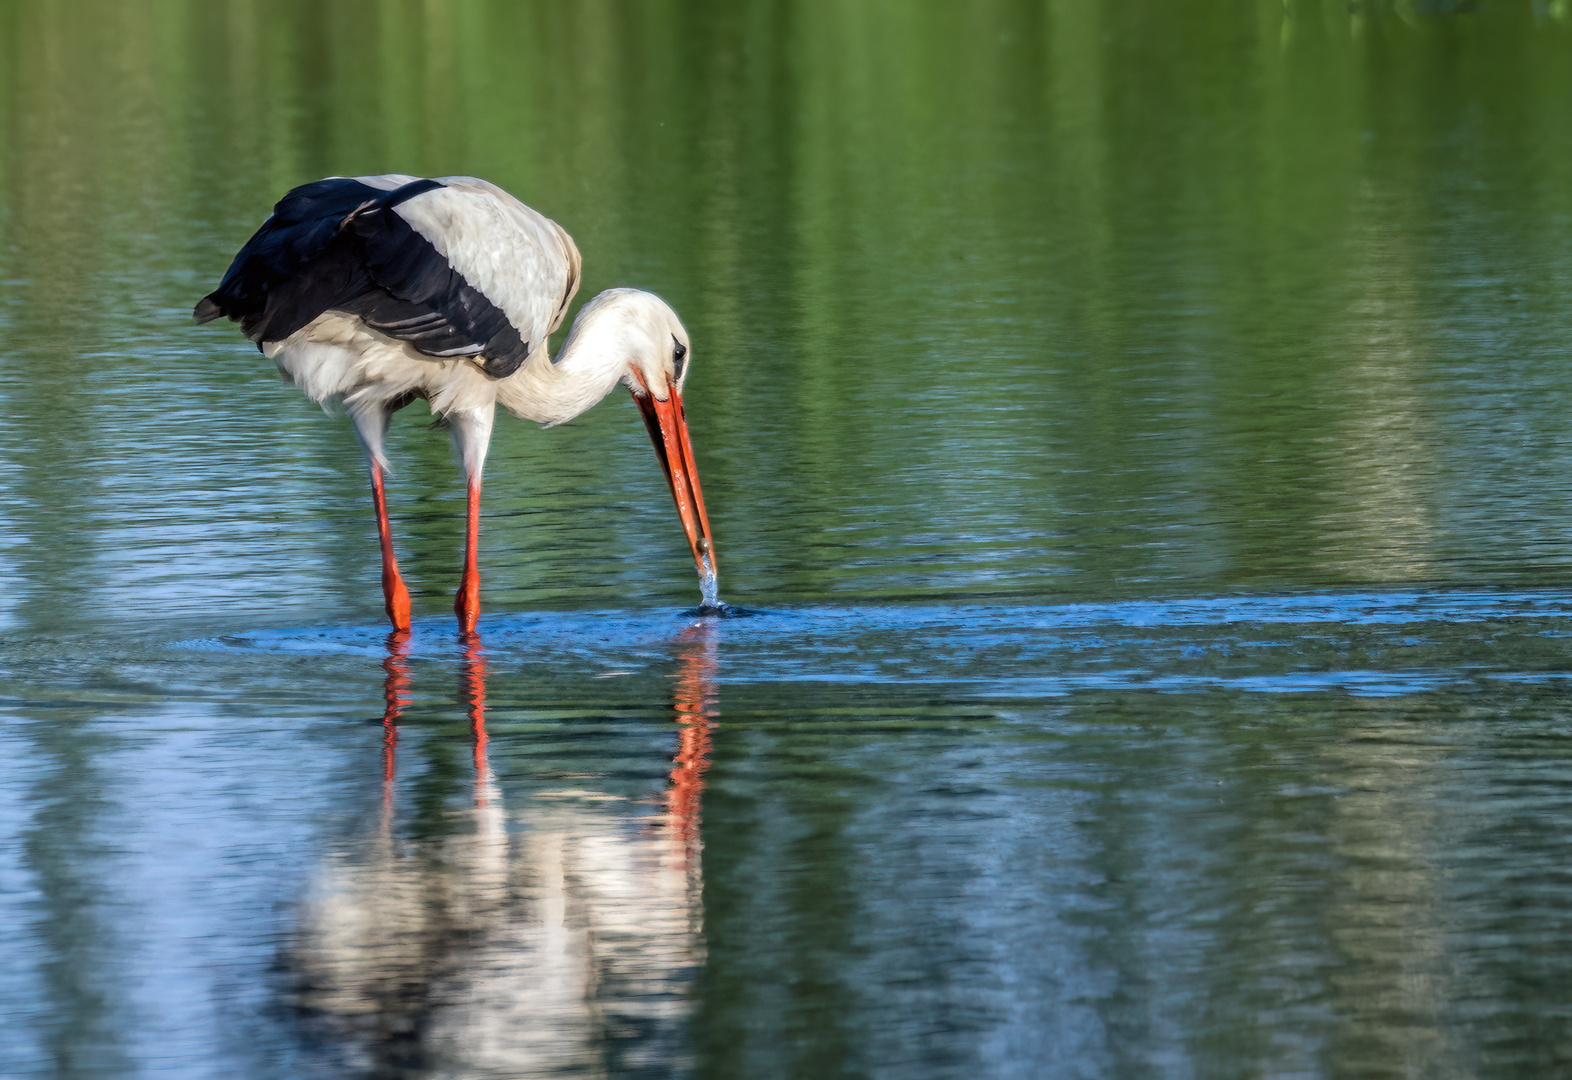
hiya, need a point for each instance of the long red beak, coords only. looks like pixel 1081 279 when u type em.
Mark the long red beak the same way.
pixel 668 428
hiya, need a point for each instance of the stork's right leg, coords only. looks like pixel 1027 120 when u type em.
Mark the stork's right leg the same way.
pixel 395 595
pixel 471 433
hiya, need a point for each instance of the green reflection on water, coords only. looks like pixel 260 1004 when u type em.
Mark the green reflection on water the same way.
pixel 1019 299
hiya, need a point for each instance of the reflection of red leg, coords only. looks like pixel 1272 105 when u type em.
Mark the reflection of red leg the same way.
pixel 395 596
pixel 395 695
pixel 467 605
pixel 475 692
pixel 693 702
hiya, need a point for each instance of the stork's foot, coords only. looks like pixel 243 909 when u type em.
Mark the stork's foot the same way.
pixel 467 604
pixel 395 600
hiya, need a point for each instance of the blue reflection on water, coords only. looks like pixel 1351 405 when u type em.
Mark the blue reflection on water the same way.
pixel 1379 644
pixel 618 834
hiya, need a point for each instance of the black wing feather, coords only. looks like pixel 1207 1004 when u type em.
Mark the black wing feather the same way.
pixel 339 245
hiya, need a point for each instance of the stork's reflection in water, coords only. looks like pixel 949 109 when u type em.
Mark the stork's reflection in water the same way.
pixel 559 935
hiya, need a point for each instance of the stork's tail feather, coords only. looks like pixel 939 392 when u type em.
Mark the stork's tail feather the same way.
pixel 206 311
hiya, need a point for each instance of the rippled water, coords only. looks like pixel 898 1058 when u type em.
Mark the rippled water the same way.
pixel 1137 435
pixel 931 840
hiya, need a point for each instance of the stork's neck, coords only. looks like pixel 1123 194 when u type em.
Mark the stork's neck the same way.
pixel 547 391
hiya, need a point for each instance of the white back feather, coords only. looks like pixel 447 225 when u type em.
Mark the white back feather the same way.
pixel 522 261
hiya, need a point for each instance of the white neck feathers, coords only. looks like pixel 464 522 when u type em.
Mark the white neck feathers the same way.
pixel 615 333
pixel 551 392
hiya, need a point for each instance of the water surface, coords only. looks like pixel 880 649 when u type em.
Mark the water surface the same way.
pixel 1141 431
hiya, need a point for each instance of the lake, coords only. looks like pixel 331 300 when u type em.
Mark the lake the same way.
pixel 1139 435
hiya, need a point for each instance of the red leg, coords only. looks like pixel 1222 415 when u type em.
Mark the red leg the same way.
pixel 467 604
pixel 394 594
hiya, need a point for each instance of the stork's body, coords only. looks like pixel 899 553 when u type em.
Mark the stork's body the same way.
pixel 371 292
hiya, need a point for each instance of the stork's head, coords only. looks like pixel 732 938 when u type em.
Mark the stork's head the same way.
pixel 647 334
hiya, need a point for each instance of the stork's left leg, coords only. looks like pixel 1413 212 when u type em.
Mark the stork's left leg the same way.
pixel 395 595
pixel 371 425
pixel 467 604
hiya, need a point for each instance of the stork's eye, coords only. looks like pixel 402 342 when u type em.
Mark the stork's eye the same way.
pixel 678 355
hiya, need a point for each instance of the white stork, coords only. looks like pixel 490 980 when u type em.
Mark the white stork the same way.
pixel 371 292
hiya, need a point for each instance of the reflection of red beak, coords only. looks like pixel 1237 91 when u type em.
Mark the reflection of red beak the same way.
pixel 668 429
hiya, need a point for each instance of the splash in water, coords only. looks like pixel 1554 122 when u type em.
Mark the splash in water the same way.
pixel 709 590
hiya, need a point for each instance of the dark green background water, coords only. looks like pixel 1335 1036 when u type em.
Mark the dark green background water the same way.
pixel 1145 425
